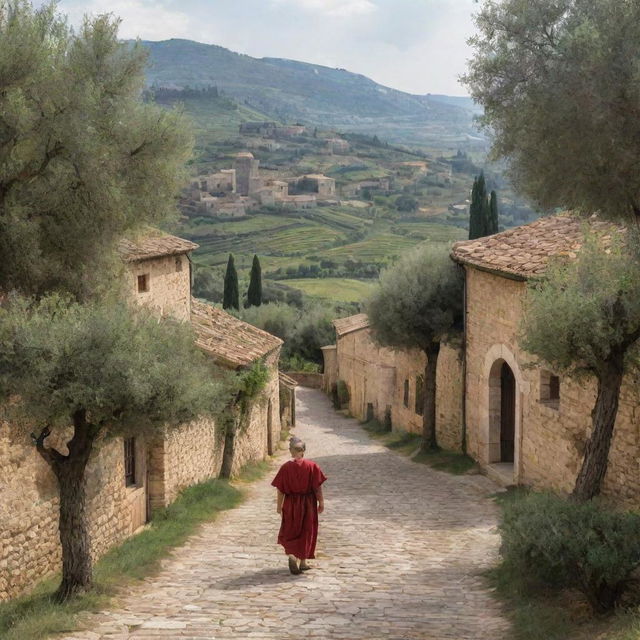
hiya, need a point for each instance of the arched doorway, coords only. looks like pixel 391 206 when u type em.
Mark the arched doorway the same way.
pixel 502 413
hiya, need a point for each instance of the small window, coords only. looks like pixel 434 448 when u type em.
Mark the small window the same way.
pixel 406 394
pixel 129 462
pixel 178 263
pixel 550 389
pixel 143 283
pixel 420 395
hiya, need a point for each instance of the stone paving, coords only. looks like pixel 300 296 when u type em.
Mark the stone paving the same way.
pixel 400 552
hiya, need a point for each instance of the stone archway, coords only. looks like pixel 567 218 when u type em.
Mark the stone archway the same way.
pixel 502 422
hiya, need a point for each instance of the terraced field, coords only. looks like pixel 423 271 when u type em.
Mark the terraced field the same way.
pixel 375 248
pixel 340 289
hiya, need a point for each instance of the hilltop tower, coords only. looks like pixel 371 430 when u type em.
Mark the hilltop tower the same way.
pixel 246 167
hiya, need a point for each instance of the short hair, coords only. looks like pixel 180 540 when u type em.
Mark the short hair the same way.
pixel 297 444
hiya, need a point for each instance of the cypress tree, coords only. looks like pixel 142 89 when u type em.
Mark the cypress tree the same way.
pixel 254 294
pixel 493 213
pixel 475 211
pixel 231 297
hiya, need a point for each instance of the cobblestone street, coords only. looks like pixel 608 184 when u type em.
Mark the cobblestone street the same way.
pixel 400 551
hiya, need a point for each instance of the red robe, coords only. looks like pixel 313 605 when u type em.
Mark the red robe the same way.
pixel 299 479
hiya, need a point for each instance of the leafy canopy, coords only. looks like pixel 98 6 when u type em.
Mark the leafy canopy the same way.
pixel 419 300
pixel 560 84
pixel 83 159
pixel 127 368
pixel 584 309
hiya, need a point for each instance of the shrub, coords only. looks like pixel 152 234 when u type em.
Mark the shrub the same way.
pixel 343 392
pixel 566 544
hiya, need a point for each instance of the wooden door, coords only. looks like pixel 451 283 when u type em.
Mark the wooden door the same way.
pixel 507 413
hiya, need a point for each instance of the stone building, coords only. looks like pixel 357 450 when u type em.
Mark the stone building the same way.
pixel 258 128
pixel 246 168
pixel 127 478
pixel 382 380
pixel 525 423
pixel 316 183
pixel 338 146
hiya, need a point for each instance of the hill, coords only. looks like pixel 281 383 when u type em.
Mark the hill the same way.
pixel 289 91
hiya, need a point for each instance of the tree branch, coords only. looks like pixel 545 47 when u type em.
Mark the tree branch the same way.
pixel 51 456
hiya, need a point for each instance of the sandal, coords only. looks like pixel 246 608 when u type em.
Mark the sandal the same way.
pixel 293 566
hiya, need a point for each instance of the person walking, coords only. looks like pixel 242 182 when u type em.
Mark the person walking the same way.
pixel 299 501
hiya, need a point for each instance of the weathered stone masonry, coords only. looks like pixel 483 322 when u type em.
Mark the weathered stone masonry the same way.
pixel 165 463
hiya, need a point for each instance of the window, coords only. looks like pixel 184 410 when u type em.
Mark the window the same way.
pixel 129 462
pixel 178 263
pixel 406 394
pixel 420 395
pixel 143 283
pixel 549 389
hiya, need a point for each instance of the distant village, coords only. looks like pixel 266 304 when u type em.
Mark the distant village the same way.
pixel 235 191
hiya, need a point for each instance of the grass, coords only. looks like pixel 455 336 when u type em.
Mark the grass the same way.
pixel 408 444
pixel 36 616
pixel 339 289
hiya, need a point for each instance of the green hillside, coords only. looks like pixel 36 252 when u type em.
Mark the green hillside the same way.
pixel 290 91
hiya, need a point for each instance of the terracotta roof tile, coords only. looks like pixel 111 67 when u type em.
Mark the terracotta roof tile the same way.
pixel 286 380
pixel 154 246
pixel 231 342
pixel 525 251
pixel 352 323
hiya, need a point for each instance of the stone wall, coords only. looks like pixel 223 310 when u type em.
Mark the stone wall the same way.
pixel 376 376
pixel 181 457
pixel 29 546
pixel 550 437
pixel 309 380
pixel 260 430
pixel 169 285
pixel 330 369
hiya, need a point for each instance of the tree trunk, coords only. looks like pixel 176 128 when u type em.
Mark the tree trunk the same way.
pixel 603 418
pixel 228 452
pixel 74 531
pixel 74 528
pixel 429 435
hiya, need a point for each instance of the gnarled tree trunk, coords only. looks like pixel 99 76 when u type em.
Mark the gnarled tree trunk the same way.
pixel 603 418
pixel 429 435
pixel 74 527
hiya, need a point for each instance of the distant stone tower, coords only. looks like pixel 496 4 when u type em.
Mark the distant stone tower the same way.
pixel 246 167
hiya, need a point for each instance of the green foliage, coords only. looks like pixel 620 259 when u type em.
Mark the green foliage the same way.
pixel 559 82
pixel 128 369
pixel 252 381
pixel 483 211
pixel 566 544
pixel 83 160
pixel 343 394
pixel 585 309
pixel 418 301
pixel 304 331
pixel 449 461
pixel 406 204
pixel 231 295
pixel 207 284
pixel 254 294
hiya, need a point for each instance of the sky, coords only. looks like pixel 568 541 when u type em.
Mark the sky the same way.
pixel 417 46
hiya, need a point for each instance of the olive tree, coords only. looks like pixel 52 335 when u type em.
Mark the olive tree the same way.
pixel 90 372
pixel 83 159
pixel 583 318
pixel 418 304
pixel 559 81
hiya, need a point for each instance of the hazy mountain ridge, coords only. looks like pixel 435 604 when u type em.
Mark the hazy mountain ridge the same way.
pixel 292 90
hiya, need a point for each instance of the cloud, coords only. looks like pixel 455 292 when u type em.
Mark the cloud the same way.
pixel 146 19
pixel 332 8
